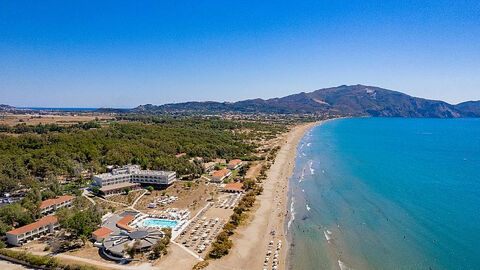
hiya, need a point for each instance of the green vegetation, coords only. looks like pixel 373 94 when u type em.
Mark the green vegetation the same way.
pixel 222 243
pixel 47 128
pixel 34 260
pixel 46 262
pixel 132 250
pixel 200 265
pixel 28 210
pixel 79 221
pixel 160 248
pixel 44 151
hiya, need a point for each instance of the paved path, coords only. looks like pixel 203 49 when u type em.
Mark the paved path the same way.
pixel 12 266
pixel 105 200
pixel 143 266
pixel 136 200
pixel 84 194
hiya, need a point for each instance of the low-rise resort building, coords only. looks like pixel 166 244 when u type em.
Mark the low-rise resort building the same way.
pixel 234 164
pixel 52 205
pixel 236 187
pixel 131 176
pixel 101 234
pixel 41 227
pixel 116 243
pixel 219 175
pixel 209 166
pixel 124 222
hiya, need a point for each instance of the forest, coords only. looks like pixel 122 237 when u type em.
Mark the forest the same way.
pixel 39 152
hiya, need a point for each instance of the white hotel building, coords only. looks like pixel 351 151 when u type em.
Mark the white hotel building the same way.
pixel 131 176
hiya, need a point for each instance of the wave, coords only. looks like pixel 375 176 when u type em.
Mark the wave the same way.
pixel 328 235
pixel 343 266
pixel 308 144
pixel 292 213
pixel 302 175
pixel 312 171
pixel 308 207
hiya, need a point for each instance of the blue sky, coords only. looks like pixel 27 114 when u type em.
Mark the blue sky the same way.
pixel 126 53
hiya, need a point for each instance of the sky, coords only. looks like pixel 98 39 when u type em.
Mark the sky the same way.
pixel 126 53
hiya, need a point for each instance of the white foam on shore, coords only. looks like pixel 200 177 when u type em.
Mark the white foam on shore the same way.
pixel 308 207
pixel 308 144
pixel 302 175
pixel 328 235
pixel 343 266
pixel 312 171
pixel 292 213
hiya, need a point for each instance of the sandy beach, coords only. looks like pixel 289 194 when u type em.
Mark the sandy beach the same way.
pixel 250 243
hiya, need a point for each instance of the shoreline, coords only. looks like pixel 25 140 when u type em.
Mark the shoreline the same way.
pixel 251 241
pixel 284 261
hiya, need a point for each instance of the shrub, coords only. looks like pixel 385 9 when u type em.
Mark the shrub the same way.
pixel 34 260
pixel 200 265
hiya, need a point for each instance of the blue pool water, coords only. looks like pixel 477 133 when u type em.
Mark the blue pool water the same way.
pixel 383 193
pixel 153 222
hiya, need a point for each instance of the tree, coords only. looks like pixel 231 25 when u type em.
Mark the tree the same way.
pixel 80 223
pixel 229 228
pixel 158 249
pixel 96 190
pixel 131 250
pixel 249 184
pixel 48 194
pixel 4 228
pixel 13 214
pixel 7 184
pixel 150 189
pixel 127 190
pixel 235 219
pixel 221 246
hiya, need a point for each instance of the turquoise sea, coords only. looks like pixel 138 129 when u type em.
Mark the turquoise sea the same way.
pixel 386 193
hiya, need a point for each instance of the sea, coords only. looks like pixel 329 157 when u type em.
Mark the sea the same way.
pixel 60 109
pixel 386 193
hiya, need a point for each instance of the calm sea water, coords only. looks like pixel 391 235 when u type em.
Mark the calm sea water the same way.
pixel 382 193
pixel 61 109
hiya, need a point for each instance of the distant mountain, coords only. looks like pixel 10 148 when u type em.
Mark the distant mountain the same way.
pixel 469 108
pixel 353 100
pixel 6 108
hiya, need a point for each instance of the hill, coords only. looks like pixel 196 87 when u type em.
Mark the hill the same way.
pixel 353 100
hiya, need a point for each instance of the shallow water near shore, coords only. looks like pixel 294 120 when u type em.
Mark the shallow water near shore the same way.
pixel 383 193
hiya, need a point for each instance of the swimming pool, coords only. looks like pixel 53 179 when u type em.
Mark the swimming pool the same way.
pixel 155 222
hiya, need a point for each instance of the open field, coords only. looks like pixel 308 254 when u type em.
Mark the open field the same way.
pixel 62 120
pixel 193 197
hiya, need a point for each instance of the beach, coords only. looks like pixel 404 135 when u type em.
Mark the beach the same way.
pixel 250 243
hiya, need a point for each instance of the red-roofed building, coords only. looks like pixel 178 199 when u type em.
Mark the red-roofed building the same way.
pixel 119 188
pixel 51 205
pixel 123 223
pixel 219 175
pixel 101 234
pixel 234 164
pixel 43 226
pixel 234 187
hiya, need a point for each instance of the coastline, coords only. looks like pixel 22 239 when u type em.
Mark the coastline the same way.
pixel 251 241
